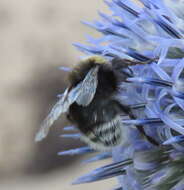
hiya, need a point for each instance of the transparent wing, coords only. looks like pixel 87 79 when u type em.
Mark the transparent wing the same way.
pixel 88 88
pixel 60 107
pixel 83 93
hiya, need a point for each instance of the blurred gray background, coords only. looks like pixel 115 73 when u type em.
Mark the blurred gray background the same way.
pixel 36 38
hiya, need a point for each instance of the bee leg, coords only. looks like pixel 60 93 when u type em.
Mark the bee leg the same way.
pixel 119 66
pixel 149 61
pixel 122 66
pixel 119 63
pixel 150 139
pixel 138 105
pixel 140 128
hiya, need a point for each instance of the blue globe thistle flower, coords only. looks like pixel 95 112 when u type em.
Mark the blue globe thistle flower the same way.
pixel 140 31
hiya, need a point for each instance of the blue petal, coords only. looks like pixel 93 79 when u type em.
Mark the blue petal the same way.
pixel 92 178
pixel 142 121
pixel 104 172
pixel 175 139
pixel 113 21
pixel 69 128
pixel 98 157
pixel 137 55
pixel 178 69
pixel 73 136
pixel 151 81
pixel 114 166
pixel 127 8
pixel 87 49
pixel 170 30
pixel 164 116
pixel 60 95
pixel 81 150
pixel 67 69
pixel 161 73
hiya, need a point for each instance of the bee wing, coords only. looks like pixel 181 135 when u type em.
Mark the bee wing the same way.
pixel 83 93
pixel 88 88
pixel 60 107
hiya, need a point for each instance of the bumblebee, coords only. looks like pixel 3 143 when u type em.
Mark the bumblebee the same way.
pixel 91 102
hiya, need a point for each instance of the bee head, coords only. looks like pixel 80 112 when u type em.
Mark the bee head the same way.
pixel 83 67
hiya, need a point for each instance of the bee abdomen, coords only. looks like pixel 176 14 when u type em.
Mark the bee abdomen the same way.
pixel 106 135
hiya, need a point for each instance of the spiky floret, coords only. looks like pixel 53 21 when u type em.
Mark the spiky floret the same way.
pixel 150 29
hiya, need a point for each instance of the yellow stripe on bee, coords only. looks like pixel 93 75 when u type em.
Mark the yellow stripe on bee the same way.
pixel 95 59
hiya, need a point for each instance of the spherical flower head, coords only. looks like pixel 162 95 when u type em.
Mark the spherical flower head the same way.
pixel 148 29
